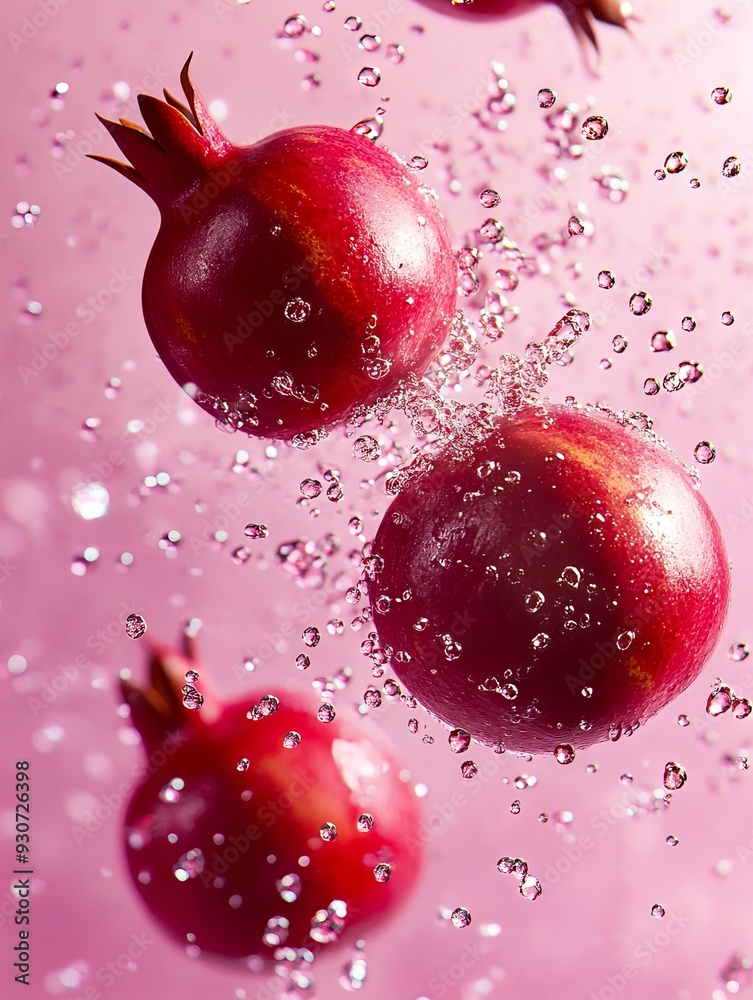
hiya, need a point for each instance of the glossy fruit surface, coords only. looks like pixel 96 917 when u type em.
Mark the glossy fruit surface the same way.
pixel 580 13
pixel 246 834
pixel 291 280
pixel 557 582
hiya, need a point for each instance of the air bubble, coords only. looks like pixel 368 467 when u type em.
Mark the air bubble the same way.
pixel 731 167
pixel 675 162
pixel 459 740
pixel 546 97
pixel 675 776
pixel 721 95
pixel 640 303
pixel 657 910
pixel 738 651
pixel 369 76
pixel 704 453
pixel 460 917
pixel 291 740
pixel 594 127
pixel 382 872
pixel 135 626
pixel 328 832
pixel 564 753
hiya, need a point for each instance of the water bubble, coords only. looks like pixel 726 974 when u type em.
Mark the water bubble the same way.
pixel 662 340
pixel 460 917
pixel 509 691
pixel 605 279
pixel 683 721
pixel 741 708
pixel 291 740
pixel 311 636
pixel 564 753
pixel 657 910
pixel 594 127
pixel 353 23
pixel 366 448
pixel 575 227
pixel 328 832
pixel 243 764
pixel 660 174
pixel 688 324
pixel 731 167
pixel 671 841
pixel 690 371
pixel 489 198
pixel 326 712
pixel 651 387
pixel 530 888
pixel 738 651
pixel 372 698
pixel 469 769
pixel 719 701
pixel 624 639
pixel 515 807
pixel 546 97
pixel 571 576
pixel 135 626
pixel 256 531
pixel 674 776
pixel 382 872
pixel 728 318
pixel 395 53
pixel 297 310
pixel 365 823
pixel 704 453
pixel 534 601
pixel 302 661
pixel 721 95
pixel 369 43
pixel 192 699
pixel 459 740
pixel 675 162
pixel 369 76
pixel 295 26
pixel 640 303
pixel 619 344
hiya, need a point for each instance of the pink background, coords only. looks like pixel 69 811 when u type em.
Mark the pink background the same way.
pixel 691 249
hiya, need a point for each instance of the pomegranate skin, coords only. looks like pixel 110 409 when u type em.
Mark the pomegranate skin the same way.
pixel 224 825
pixel 291 280
pixel 581 567
pixel 580 13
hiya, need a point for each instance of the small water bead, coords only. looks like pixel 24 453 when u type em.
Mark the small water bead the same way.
pixel 738 651
pixel 459 740
pixel 564 753
pixel 509 691
pixel 657 911
pixel 683 721
pixel 721 95
pixel 460 917
pixel 606 363
pixel 256 531
pixel 651 387
pixel 675 162
pixel 291 740
pixel 674 776
pixel 594 127
pixel 372 698
pixel 382 872
pixel 728 318
pixel 353 23
pixel 660 174
pixel 302 661
pixel 135 626
pixel 731 167
pixel 546 97
pixel 469 769
pixel 640 303
pixel 540 640
pixel 695 183
pixel 328 832
pixel 741 708
pixel 311 636
pixel 489 198
pixel 704 453
pixel 192 699
pixel 311 488
pixel 534 601
pixel 672 382
pixel 619 344
pixel 366 448
pixel 369 43
pixel 297 310
pixel 295 26
pixel 329 5
pixel 243 764
pixel 605 279
pixel 662 340
pixel 530 888
pixel 369 76
pixel 395 53
pixel 690 371
pixel 719 701
pixel 671 841
pixel 575 227
pixel 326 712
pixel 515 807
pixel 365 823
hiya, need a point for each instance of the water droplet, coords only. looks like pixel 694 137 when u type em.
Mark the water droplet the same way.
pixel 657 910
pixel 311 636
pixel 594 127
pixel 366 448
pixel 460 917
pixel 675 162
pixel 605 279
pixel 135 626
pixel 372 698
pixel 509 691
pixel 640 303
pixel 291 740
pixel 738 651
pixel 651 387
pixel 671 841
pixel 662 340
pixel 469 769
pixel 395 53
pixel 489 198
pixel 515 807
pixel 256 531
pixel 243 764
pixel 530 888
pixel 704 453
pixel 382 872
pixel 728 318
pixel 719 701
pixel 741 708
pixel 328 832
pixel 192 699
pixel 731 167
pixel 624 639
pixel 619 344
pixel 564 753
pixel 721 95
pixel 459 740
pixel 674 776
pixel 690 371
pixel 534 601
pixel 297 310
pixel 546 97
pixel 369 76
pixel 353 23
pixel 571 576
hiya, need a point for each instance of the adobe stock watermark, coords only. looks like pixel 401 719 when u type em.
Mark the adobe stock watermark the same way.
pixel 86 311
pixel 642 955
pixel 30 26
pixel 110 972
pixel 450 976
pixel 697 44
pixel 111 803
pixel 68 673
